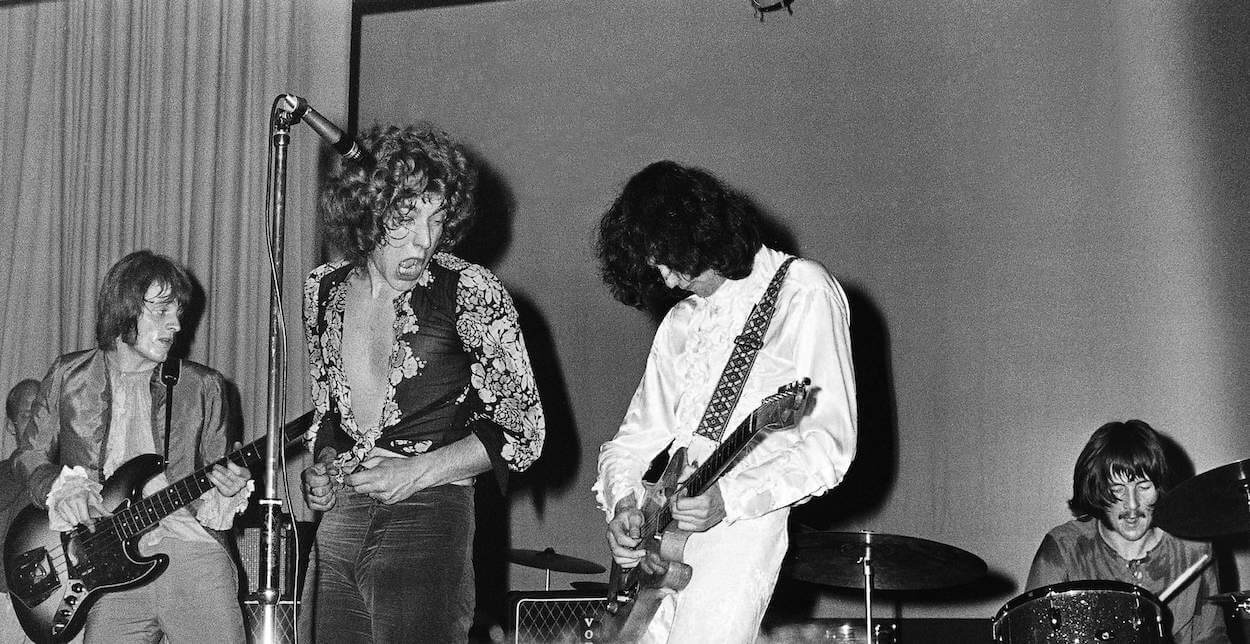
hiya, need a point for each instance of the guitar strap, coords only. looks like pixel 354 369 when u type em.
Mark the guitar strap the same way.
pixel 169 375
pixel 746 346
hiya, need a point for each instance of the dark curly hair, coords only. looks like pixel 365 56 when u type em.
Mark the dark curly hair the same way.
pixel 120 301
pixel 359 197
pixel 1132 449
pixel 678 216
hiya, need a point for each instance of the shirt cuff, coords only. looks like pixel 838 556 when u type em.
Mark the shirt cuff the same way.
pixel 70 483
pixel 217 511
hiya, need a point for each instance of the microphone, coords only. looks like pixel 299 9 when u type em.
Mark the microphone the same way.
pixel 336 138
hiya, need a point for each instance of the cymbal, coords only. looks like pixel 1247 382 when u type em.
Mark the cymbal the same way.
pixel 549 559
pixel 599 587
pixel 898 562
pixel 1211 504
pixel 1239 597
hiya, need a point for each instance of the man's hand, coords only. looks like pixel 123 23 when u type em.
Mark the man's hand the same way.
pixel 390 479
pixel 319 490
pixel 79 509
pixel 232 478
pixel 624 532
pixel 697 514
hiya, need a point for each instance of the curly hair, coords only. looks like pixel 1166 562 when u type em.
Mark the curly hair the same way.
pixel 120 301
pixel 681 217
pixel 359 197
pixel 1132 449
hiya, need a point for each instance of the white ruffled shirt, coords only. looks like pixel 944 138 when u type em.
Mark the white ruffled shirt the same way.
pixel 809 337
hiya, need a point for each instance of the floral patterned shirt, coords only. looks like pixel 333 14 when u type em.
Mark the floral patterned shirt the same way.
pixel 458 365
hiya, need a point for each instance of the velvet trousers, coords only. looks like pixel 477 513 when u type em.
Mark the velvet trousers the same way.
pixel 396 573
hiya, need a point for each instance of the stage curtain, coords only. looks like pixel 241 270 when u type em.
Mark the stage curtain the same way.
pixel 145 124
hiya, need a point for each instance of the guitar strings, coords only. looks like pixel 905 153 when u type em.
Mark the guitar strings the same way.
pixel 112 529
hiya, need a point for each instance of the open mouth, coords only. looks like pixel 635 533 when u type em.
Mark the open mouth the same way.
pixel 410 268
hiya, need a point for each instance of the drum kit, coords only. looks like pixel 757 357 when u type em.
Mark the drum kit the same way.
pixel 1213 504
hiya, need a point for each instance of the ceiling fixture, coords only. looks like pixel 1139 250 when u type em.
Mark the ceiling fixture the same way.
pixel 762 8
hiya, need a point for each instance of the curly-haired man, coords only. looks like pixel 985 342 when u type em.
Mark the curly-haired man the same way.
pixel 420 382
pixel 678 228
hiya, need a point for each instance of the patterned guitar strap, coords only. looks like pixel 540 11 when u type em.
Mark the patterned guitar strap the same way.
pixel 746 346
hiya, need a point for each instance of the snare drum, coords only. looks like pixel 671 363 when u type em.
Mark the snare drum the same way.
pixel 1082 611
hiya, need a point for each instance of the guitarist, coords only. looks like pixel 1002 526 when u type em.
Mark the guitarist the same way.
pixel 99 408
pixel 677 229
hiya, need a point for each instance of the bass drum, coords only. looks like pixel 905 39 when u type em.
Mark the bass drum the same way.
pixel 1082 611
pixel 825 631
pixel 856 632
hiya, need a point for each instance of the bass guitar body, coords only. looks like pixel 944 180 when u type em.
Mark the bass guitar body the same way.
pixel 54 577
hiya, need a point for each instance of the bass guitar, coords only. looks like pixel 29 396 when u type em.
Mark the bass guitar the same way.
pixel 54 577
pixel 633 595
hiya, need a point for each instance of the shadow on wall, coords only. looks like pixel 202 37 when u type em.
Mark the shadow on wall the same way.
pixel 190 320
pixel 1221 53
pixel 872 474
pixel 555 471
pixel 486 243
pixel 487 240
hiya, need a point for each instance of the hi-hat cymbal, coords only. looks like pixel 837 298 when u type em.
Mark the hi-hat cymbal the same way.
pixel 898 562
pixel 1212 504
pixel 549 559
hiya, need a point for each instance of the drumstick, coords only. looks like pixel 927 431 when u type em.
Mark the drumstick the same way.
pixel 1180 581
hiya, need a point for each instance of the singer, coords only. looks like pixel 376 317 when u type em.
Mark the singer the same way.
pixel 420 381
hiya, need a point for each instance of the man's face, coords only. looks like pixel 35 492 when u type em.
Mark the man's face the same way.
pixel 412 235
pixel 1132 513
pixel 703 284
pixel 157 326
pixel 25 407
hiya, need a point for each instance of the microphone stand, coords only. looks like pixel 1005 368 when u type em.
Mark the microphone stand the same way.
pixel 268 593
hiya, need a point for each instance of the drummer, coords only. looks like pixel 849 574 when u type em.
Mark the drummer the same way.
pixel 1118 477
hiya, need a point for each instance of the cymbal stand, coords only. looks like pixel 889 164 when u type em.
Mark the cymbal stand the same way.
pixel 866 561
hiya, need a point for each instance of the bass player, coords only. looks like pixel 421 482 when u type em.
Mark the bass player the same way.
pixel 679 229
pixel 99 408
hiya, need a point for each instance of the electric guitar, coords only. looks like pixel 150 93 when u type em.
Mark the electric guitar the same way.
pixel 633 595
pixel 54 577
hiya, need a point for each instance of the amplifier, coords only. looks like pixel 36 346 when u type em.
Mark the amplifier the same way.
pixel 290 561
pixel 285 616
pixel 541 617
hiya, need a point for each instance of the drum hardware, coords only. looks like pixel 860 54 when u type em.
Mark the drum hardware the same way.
pixel 548 559
pixel 1240 600
pixel 879 561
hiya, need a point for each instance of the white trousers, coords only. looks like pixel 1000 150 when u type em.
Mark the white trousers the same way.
pixel 735 571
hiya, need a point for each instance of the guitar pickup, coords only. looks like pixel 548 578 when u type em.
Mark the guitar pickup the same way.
pixel 33 578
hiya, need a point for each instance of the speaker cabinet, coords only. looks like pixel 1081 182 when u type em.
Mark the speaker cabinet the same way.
pixel 542 617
